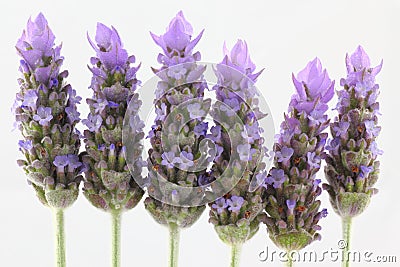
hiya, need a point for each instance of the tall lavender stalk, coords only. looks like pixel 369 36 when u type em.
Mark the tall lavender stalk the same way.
pixel 175 149
pixel 352 166
pixel 236 216
pixel 292 188
pixel 46 114
pixel 109 184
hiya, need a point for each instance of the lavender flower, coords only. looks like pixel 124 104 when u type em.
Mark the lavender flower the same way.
pixel 41 109
pixel 292 190
pixel 291 204
pixel 27 145
pixel 201 129
pixel 161 112
pixel 313 161
pixel 341 128
pixel 285 154
pixel 352 166
pixel 73 114
pixel 73 97
pixel 195 110
pixel 185 160
pixel 276 178
pixel 109 185
pixel 93 122
pixel 43 116
pixel 220 205
pixel 245 152
pixel 235 203
pixel 239 220
pixel 30 99
pixel 168 159
pixel 60 162
pixel 181 80
pixel 252 132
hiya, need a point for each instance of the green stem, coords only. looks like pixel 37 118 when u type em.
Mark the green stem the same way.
pixel 116 238
pixel 346 225
pixel 236 251
pixel 58 215
pixel 289 262
pixel 173 244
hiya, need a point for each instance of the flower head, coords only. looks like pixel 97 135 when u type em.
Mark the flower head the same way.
pixel 352 166
pixel 238 99
pixel 177 158
pixel 298 152
pixel 41 107
pixel 109 183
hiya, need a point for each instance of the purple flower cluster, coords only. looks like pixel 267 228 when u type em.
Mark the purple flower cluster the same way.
pixel 237 214
pixel 46 114
pixel 352 167
pixel 179 126
pixel 109 184
pixel 292 188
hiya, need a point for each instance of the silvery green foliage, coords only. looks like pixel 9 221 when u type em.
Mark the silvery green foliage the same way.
pixel 46 115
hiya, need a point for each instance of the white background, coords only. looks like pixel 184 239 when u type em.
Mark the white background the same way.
pixel 282 37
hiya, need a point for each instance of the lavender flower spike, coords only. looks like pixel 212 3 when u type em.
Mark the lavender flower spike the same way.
pixel 239 220
pixel 41 116
pixel 292 188
pixel 109 184
pixel 181 81
pixel 41 108
pixel 352 167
